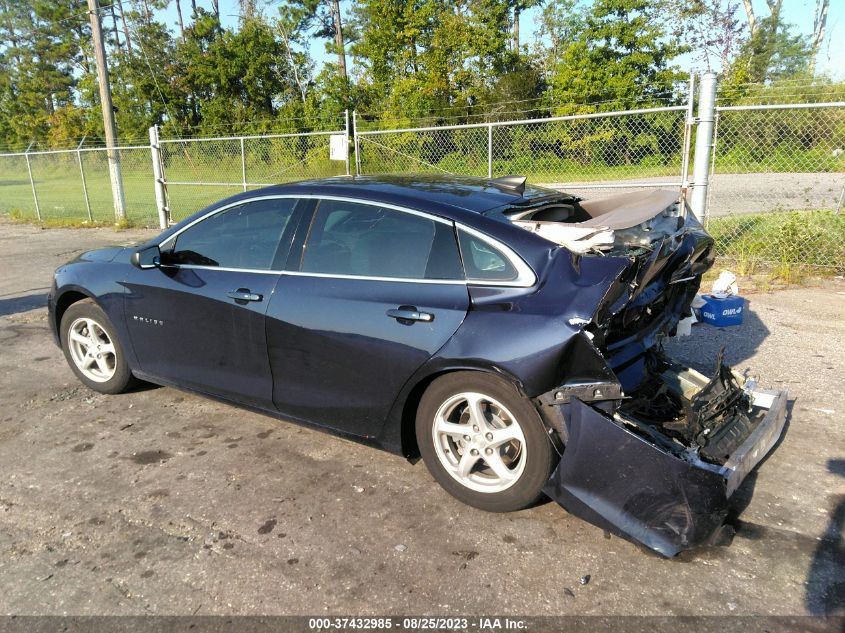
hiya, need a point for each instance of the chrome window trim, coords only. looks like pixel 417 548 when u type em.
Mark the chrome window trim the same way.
pixel 295 273
pixel 525 275
pixel 309 196
pixel 407 280
pixel 223 268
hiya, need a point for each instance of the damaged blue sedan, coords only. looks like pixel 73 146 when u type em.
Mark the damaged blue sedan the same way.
pixel 510 335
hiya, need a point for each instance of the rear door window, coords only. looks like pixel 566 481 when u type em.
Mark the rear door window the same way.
pixel 365 240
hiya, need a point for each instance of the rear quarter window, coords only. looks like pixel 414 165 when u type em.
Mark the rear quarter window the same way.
pixel 484 262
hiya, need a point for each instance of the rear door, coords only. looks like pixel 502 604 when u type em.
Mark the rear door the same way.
pixel 198 320
pixel 372 295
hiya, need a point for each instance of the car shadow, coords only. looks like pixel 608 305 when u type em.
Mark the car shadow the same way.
pixel 699 350
pixel 140 386
pixel 16 305
pixel 825 586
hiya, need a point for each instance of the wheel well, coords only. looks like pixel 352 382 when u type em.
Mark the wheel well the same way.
pixel 66 300
pixel 410 449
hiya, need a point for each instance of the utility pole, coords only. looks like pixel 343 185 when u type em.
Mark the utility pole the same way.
pixel 108 111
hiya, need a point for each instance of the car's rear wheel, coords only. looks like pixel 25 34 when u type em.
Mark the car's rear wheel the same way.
pixel 484 442
pixel 92 349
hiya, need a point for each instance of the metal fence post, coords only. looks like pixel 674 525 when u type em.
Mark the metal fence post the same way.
pixel 356 147
pixel 688 123
pixel 346 123
pixel 32 182
pixel 243 163
pixel 82 174
pixel 158 178
pixel 489 150
pixel 703 144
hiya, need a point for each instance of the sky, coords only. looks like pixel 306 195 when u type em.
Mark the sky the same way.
pixel 831 58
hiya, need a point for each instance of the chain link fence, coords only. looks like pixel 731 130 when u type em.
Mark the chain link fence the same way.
pixel 775 196
pixel 15 190
pixel 74 185
pixel 777 186
pixel 608 152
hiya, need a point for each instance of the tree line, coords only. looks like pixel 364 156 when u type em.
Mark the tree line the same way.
pixel 393 61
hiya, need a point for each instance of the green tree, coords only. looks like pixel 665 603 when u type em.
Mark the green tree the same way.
pixel 432 56
pixel 618 56
pixel 148 85
pixel 324 17
pixel 517 7
pixel 773 50
pixel 713 30
pixel 39 58
pixel 621 54
pixel 560 23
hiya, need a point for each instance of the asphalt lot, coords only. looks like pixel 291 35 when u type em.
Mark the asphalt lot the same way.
pixel 162 502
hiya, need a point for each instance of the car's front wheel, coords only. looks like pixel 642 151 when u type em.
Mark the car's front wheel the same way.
pixel 484 442
pixel 92 349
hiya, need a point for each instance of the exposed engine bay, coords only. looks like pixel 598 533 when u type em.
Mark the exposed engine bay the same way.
pixel 711 416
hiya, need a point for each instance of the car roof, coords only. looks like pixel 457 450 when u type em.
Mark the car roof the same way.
pixel 432 192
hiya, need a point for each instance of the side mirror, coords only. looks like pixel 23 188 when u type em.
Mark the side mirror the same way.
pixel 149 257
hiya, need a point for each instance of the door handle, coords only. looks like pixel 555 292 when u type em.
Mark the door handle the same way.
pixel 409 314
pixel 242 295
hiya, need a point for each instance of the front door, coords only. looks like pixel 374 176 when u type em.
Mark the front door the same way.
pixel 198 320
pixel 375 293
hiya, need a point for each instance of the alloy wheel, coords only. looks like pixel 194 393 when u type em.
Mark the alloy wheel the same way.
pixel 92 350
pixel 479 442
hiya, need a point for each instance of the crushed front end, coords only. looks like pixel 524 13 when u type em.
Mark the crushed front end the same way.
pixel 660 465
pixel 653 450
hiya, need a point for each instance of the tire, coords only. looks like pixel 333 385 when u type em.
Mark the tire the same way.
pixel 511 436
pixel 86 332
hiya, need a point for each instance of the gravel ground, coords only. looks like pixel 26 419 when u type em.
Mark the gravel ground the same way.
pixel 737 194
pixel 162 502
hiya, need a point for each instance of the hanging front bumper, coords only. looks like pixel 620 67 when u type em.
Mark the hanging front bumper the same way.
pixel 622 482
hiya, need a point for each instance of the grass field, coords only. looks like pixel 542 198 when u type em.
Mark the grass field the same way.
pixel 785 242
pixel 60 193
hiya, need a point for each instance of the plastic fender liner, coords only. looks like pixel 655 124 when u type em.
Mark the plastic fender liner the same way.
pixel 622 483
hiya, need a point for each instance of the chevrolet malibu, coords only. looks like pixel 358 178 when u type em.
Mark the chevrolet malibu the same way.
pixel 510 335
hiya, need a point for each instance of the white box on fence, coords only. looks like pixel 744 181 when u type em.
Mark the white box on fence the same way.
pixel 337 147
